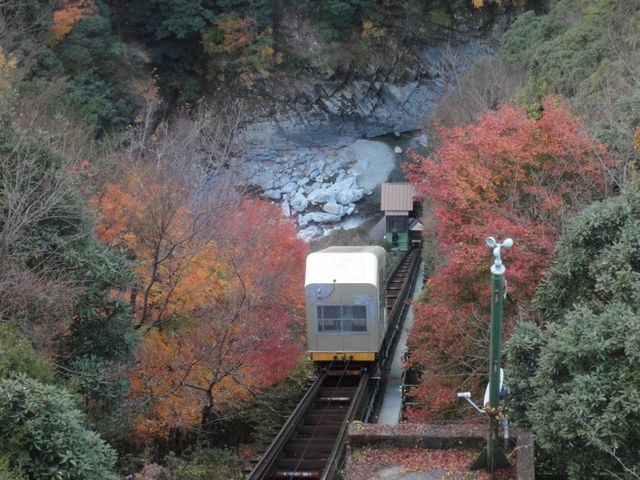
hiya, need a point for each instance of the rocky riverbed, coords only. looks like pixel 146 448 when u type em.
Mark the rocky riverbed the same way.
pixel 321 187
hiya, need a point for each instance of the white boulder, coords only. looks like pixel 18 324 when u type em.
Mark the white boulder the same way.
pixel 321 196
pixel 289 187
pixel 286 211
pixel 321 217
pixel 299 203
pixel 310 233
pixel 273 194
pixel 345 197
pixel 334 208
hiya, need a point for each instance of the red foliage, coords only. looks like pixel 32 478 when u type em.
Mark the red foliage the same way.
pixel 242 334
pixel 220 308
pixel 455 462
pixel 508 175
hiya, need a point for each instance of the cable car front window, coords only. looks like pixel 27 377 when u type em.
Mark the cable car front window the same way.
pixel 336 319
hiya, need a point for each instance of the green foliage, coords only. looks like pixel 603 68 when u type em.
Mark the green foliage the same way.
pixel 266 412
pixel 179 19
pixel 104 389
pixel 522 353
pixel 48 65
pixel 100 341
pixel 10 473
pixel 91 44
pixel 173 28
pixel 46 432
pixel 102 328
pixel 202 464
pixel 555 48
pixel 101 324
pixel 87 54
pixel 48 250
pixel 587 391
pixel 440 17
pixel 586 51
pixel 95 383
pixel 92 99
pixel 259 10
pixel 19 356
pixel 577 383
pixel 598 260
pixel 568 60
pixel 40 211
pixel 518 40
pixel 336 15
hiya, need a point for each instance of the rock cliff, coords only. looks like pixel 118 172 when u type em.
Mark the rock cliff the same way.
pixel 340 97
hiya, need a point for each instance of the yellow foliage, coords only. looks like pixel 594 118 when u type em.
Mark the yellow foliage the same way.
pixel 367 25
pixel 478 3
pixel 266 53
pixel 370 30
pixel 7 68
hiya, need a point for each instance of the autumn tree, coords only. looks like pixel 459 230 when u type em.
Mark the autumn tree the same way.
pixel 236 47
pixel 240 329
pixel 68 14
pixel 165 201
pixel 507 175
pixel 216 275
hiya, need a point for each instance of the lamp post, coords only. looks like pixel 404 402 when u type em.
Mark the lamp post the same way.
pixel 491 457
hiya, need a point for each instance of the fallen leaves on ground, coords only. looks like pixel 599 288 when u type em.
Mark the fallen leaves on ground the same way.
pixel 363 463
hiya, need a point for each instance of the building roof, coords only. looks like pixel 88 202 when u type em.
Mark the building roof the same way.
pixel 397 197
pixel 345 265
pixel 415 225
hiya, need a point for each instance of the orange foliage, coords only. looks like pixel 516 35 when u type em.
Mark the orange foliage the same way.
pixel 238 34
pixel 236 44
pixel 508 175
pixel 221 307
pixel 69 13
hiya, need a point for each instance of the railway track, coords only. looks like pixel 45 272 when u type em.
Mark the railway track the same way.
pixel 311 444
pixel 398 284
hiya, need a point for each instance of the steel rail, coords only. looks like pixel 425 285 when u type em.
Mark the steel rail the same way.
pixel 329 399
pixel 266 464
pixel 337 455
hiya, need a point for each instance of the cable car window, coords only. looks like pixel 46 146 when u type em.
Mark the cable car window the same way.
pixel 335 319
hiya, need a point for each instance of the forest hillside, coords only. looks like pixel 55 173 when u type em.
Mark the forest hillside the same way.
pixel 144 288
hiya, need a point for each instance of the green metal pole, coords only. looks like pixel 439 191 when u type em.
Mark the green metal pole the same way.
pixel 492 458
pixel 495 457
